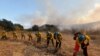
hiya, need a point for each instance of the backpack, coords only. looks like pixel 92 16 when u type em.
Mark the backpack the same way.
pixel 81 38
pixel 55 35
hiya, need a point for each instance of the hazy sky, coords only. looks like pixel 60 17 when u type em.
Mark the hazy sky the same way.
pixel 58 12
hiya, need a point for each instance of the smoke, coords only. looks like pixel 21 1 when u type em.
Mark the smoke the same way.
pixel 63 14
pixel 92 15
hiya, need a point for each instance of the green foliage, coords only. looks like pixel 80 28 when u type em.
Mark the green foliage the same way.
pixel 46 27
pixel 49 27
pixel 35 28
pixel 18 26
pixel 7 25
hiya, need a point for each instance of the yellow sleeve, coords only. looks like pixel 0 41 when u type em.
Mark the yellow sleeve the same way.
pixel 39 34
pixel 3 34
pixel 60 36
pixel 87 37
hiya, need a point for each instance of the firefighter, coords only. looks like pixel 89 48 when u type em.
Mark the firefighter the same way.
pixel 22 36
pixel 58 38
pixel 4 36
pixel 81 40
pixel 38 35
pixel 50 38
pixel 85 44
pixel 30 36
pixel 14 35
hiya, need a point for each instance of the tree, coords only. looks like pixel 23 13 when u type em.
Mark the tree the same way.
pixel 18 27
pixel 48 27
pixel 35 28
pixel 7 25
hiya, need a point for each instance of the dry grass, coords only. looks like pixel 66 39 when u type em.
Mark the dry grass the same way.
pixel 30 48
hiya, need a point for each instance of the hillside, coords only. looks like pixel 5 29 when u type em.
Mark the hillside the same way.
pixel 88 26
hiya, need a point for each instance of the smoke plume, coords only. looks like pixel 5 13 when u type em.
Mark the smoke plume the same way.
pixel 62 14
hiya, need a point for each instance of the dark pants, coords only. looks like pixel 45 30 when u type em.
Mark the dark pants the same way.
pixel 30 38
pixel 48 41
pixel 58 44
pixel 15 37
pixel 23 37
pixel 38 39
pixel 84 48
pixel 4 37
